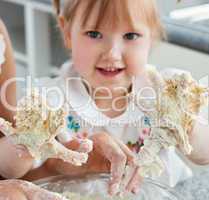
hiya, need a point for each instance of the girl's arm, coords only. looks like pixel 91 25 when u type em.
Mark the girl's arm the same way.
pixel 199 139
pixel 7 72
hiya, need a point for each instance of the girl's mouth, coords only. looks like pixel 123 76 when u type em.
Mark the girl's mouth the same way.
pixel 109 72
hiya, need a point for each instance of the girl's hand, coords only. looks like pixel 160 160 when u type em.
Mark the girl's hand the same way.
pixel 119 156
pixel 132 180
pixel 22 190
pixel 108 155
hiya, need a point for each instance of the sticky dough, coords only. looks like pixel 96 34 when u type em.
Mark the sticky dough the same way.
pixel 36 128
pixel 172 114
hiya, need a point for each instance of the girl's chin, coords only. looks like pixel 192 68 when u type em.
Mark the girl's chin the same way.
pixel 113 86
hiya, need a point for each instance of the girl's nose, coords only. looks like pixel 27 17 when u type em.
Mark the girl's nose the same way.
pixel 112 53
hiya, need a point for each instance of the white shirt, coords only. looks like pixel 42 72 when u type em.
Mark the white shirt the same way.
pixel 127 127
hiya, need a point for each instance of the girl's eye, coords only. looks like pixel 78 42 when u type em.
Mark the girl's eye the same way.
pixel 94 34
pixel 131 36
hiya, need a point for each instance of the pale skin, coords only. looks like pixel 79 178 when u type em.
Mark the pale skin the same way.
pixel 8 71
pixel 111 49
pixel 21 190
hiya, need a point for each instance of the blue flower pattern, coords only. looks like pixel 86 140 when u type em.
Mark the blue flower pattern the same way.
pixel 147 121
pixel 72 124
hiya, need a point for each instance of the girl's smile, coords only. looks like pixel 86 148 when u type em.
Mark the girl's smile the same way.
pixel 109 72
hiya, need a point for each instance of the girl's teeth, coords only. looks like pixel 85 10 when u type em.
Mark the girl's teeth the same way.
pixel 111 69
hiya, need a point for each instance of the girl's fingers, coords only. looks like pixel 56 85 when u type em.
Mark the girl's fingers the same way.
pixel 118 164
pixel 85 145
pixel 131 167
pixel 112 152
pixel 131 157
pixel 128 175
pixel 135 182
pixel 119 156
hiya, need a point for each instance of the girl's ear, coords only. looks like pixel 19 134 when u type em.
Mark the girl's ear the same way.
pixel 65 31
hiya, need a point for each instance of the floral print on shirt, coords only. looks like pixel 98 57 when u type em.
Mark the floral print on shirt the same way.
pixel 145 132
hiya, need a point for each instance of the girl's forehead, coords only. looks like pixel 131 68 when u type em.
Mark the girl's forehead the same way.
pixel 97 14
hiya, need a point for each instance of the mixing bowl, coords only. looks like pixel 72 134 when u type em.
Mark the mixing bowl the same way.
pixel 94 187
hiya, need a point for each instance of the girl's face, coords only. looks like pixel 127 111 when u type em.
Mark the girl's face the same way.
pixel 108 57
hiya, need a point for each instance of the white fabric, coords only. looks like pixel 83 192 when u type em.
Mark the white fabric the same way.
pixel 126 127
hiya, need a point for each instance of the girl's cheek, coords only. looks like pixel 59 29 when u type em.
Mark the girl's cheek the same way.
pixel 136 62
pixel 84 57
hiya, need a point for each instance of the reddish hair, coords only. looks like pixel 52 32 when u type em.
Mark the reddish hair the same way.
pixel 114 11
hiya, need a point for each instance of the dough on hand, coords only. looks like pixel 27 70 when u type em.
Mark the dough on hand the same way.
pixel 176 108
pixel 37 125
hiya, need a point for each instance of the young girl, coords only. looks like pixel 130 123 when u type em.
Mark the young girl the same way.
pixel 110 42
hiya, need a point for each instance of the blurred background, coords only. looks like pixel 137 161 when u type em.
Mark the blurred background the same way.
pixel 39 50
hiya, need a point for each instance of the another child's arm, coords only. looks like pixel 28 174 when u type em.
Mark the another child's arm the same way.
pixel 15 160
pixel 12 157
pixel 7 72
pixel 22 190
